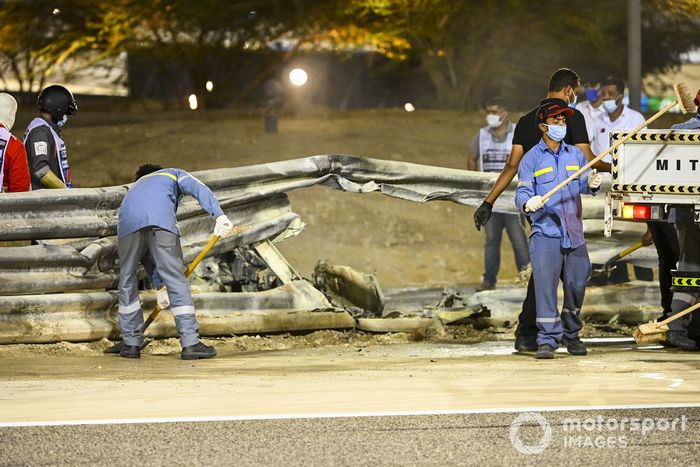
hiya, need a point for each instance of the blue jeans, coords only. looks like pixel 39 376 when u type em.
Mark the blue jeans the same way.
pixel 492 249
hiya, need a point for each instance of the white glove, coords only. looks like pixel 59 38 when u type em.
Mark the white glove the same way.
pixel 162 298
pixel 223 226
pixel 533 204
pixel 594 180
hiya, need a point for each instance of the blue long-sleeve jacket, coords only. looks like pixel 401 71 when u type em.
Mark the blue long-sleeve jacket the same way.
pixel 541 170
pixel 153 201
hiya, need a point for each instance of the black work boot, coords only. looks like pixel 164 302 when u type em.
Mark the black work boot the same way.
pixel 525 344
pixel 130 351
pixel 575 346
pixel 680 340
pixel 545 351
pixel 197 351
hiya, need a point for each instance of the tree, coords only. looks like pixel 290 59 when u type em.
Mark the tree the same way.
pixel 39 36
pixel 471 48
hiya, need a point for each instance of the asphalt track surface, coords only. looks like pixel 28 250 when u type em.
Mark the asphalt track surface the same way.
pixel 456 439
pixel 409 404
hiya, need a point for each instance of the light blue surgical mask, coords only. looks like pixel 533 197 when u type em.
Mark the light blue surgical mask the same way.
pixel 573 104
pixel 62 122
pixel 556 132
pixel 610 105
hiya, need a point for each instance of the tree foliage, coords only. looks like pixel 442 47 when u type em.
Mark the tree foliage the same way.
pixel 469 49
pixel 472 48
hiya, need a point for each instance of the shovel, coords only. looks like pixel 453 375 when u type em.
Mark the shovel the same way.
pixel 116 348
pixel 608 266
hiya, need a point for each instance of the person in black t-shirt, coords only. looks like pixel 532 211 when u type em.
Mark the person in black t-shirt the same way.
pixel 562 90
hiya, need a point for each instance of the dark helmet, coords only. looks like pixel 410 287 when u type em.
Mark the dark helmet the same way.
pixel 57 101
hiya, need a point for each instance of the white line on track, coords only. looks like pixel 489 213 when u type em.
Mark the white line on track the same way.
pixel 232 418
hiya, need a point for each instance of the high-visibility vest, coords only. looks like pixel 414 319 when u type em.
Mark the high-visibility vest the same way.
pixel 492 155
pixel 61 153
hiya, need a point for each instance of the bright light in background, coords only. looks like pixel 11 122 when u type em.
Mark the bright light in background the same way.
pixel 56 11
pixel 193 102
pixel 298 77
pixel 209 86
pixel 408 107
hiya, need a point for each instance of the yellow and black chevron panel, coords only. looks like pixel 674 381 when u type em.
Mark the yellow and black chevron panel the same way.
pixel 662 137
pixel 685 281
pixel 673 189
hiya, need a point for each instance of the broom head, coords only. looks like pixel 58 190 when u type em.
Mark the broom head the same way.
pixel 685 98
pixel 650 333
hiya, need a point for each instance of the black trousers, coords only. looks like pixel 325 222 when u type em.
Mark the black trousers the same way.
pixel 666 243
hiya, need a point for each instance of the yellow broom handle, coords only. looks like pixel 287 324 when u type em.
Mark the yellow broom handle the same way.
pixel 609 150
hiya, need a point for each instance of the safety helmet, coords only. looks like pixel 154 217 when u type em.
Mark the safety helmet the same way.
pixel 57 101
pixel 8 110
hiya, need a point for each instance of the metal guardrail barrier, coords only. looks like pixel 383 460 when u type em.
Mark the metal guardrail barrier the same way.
pixel 92 315
pixel 252 195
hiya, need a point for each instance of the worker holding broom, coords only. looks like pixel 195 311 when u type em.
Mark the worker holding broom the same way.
pixel 148 233
pixel 684 333
pixel 557 247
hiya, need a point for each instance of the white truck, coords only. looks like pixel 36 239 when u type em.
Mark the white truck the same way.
pixel 651 173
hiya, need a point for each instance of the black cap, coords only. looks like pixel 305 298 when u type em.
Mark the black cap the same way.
pixel 551 110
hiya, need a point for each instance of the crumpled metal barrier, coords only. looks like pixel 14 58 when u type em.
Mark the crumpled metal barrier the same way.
pixel 92 264
pixel 92 212
pixel 89 316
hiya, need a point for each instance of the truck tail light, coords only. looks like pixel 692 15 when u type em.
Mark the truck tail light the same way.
pixel 628 211
pixel 642 212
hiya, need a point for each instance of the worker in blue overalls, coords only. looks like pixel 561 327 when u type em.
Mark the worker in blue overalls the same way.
pixel 147 233
pixel 557 247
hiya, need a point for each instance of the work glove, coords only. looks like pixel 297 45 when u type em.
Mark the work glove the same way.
pixel 594 180
pixel 482 214
pixel 223 226
pixel 533 204
pixel 162 298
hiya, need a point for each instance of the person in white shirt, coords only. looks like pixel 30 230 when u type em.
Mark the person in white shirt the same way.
pixel 592 107
pixel 617 116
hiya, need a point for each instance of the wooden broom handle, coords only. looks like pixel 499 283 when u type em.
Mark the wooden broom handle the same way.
pixel 609 150
pixel 681 314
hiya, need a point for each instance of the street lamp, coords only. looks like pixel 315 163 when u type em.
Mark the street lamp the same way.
pixel 298 77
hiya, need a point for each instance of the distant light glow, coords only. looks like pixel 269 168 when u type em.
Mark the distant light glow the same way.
pixel 56 11
pixel 408 107
pixel 193 102
pixel 298 77
pixel 210 86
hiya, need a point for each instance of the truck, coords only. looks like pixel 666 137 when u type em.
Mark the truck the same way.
pixel 655 177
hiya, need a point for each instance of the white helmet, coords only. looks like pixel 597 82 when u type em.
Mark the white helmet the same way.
pixel 8 109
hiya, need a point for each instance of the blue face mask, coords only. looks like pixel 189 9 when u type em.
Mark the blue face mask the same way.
pixel 556 132
pixel 591 94
pixel 610 106
pixel 573 104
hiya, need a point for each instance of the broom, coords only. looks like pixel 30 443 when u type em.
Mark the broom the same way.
pixel 683 97
pixel 651 333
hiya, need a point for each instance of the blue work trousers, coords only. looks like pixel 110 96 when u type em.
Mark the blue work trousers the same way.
pixel 550 262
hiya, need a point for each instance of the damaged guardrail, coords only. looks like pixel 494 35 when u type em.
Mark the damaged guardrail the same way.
pixel 93 315
pixel 254 196
pixel 93 212
pixel 92 264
